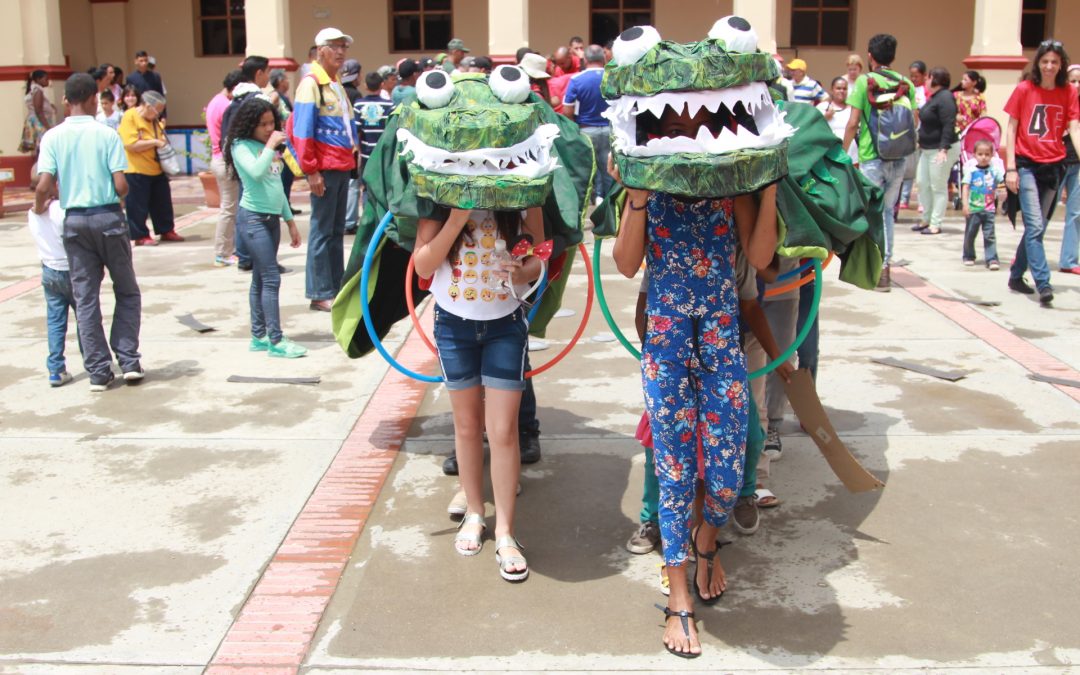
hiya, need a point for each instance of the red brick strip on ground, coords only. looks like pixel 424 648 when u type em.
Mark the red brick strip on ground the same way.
pixel 276 625
pixel 1029 356
pixel 26 285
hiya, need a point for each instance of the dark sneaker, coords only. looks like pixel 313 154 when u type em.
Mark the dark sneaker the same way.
pixel 645 540
pixel 243 267
pixel 102 385
pixel 1046 296
pixel 1020 286
pixel 134 375
pixel 530 448
pixel 774 447
pixel 745 515
pixel 59 379
pixel 449 465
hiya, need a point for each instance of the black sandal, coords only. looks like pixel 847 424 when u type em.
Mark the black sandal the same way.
pixel 919 227
pixel 684 617
pixel 709 559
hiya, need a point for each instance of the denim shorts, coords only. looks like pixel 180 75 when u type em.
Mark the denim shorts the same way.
pixel 488 352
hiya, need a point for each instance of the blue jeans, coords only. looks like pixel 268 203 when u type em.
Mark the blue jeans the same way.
pixel 243 256
pixel 984 221
pixel 888 174
pixel 262 234
pixel 808 350
pixel 601 142
pixel 491 352
pixel 326 248
pixel 58 300
pixel 1035 205
pixel 352 204
pixel 1070 237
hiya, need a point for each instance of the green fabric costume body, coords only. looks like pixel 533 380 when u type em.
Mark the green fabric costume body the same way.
pixel 412 172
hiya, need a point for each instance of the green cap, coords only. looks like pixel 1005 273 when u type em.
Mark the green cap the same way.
pixel 456 43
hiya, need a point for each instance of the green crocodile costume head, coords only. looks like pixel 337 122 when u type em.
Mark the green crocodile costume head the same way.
pixel 740 148
pixel 474 141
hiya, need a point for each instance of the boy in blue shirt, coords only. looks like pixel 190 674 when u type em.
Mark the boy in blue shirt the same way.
pixel 980 182
pixel 88 160
pixel 583 93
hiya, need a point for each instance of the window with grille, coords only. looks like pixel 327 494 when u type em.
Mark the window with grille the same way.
pixel 221 28
pixel 420 25
pixel 608 18
pixel 1034 22
pixel 821 23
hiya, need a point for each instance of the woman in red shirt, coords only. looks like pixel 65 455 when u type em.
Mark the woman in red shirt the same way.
pixel 1041 109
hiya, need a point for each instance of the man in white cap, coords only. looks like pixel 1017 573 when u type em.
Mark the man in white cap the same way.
pixel 321 131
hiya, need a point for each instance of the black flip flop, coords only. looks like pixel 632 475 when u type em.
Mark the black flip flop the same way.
pixel 684 617
pixel 709 559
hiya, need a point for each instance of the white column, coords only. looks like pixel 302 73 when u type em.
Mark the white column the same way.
pixel 762 16
pixel 508 26
pixel 996 51
pixel 267 26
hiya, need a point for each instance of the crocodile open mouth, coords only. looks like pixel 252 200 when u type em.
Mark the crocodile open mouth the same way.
pixel 531 158
pixel 740 118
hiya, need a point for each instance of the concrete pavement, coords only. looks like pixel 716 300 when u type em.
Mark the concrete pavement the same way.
pixel 139 524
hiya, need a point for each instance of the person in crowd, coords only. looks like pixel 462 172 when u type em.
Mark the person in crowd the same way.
pixel 456 51
pixel 564 62
pixel 535 66
pixel 312 54
pixel 586 106
pixel 142 133
pixel 228 188
pixel 519 55
pixel 482 64
pixel 837 113
pixel 607 50
pixel 88 161
pixel 716 394
pixel 886 174
pixel 485 376
pixel 981 178
pixel 427 63
pixel 970 101
pixel 918 74
pixel 369 112
pixel 408 72
pixel 389 81
pixel 938 148
pixel 1069 260
pixel 100 79
pixel 151 63
pixel 253 153
pixel 108 113
pixel 1035 155
pixel 47 229
pixel 112 78
pixel 805 89
pixel 323 136
pixel 577 52
pixel 129 98
pixel 279 81
pixel 145 78
pixel 40 112
pixel 467 65
pixel 350 73
pixel 853 69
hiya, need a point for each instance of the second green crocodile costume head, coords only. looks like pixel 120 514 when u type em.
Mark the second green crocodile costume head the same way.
pixel 742 147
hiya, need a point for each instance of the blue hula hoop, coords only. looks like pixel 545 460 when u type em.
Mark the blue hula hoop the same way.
pixel 795 272
pixel 365 309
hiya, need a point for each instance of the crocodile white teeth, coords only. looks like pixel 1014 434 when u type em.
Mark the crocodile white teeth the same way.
pixel 531 158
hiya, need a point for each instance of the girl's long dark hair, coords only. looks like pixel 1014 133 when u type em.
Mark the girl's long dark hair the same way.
pixel 974 76
pixel 509 225
pixel 243 124
pixel 1045 47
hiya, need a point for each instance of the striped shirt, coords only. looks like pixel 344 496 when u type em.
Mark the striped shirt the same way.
pixel 370 113
pixel 808 91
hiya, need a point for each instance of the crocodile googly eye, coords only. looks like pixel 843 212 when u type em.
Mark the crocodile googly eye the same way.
pixel 434 89
pixel 632 44
pixel 510 84
pixel 736 32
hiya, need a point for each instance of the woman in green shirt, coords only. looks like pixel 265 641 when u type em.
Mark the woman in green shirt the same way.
pixel 251 151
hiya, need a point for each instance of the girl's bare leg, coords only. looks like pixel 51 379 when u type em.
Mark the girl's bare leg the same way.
pixel 501 415
pixel 468 408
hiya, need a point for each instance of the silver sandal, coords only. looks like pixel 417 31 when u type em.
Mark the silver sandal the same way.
pixel 477 539
pixel 511 561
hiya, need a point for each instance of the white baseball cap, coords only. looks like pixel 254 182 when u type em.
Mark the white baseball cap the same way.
pixel 328 35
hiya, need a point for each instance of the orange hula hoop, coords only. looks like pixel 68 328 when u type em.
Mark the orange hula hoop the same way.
pixel 798 283
pixel 409 302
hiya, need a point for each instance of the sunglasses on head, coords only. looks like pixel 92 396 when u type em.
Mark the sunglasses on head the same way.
pixel 1051 43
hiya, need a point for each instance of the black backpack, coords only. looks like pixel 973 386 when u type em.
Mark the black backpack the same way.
pixel 891 120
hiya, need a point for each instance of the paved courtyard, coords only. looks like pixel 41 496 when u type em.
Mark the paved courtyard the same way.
pixel 190 524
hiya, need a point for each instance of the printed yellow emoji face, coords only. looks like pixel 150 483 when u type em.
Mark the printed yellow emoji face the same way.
pixel 503 296
pixel 488 225
pixel 470 276
pixel 471 225
pixel 485 277
pixel 487 241
pixel 453 292
pixel 485 259
pixel 487 295
pixel 470 294
pixel 471 259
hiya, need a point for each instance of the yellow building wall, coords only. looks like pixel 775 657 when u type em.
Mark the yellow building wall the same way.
pixel 75 24
pixel 688 20
pixel 553 22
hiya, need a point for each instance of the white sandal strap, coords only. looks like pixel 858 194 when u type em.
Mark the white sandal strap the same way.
pixel 508 540
pixel 472 519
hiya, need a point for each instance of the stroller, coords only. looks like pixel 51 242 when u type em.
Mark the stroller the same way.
pixel 982 129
